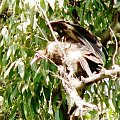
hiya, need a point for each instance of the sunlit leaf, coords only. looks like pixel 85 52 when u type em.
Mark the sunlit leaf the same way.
pixel 21 69
pixel 88 116
pixel 61 3
pixel 117 5
pixel 3 5
pixel 9 51
pixel 52 3
pixel 6 73
pixel 5 32
pixel 42 4
pixel 1 100
pixel 57 115
pixel 111 105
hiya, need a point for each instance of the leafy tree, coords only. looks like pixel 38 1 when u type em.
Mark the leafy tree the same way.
pixel 34 92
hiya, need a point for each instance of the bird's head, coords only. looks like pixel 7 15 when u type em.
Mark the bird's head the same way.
pixel 41 54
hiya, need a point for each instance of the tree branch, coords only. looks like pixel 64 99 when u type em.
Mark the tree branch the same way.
pixel 95 78
pixel 72 85
pixel 73 96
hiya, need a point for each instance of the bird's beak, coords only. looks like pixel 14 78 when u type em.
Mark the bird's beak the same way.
pixel 33 60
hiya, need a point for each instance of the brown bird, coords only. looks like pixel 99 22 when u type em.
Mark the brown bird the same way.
pixel 82 49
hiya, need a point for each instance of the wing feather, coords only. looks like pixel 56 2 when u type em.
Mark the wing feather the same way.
pixel 85 66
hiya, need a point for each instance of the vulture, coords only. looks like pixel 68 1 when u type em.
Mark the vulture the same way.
pixel 83 51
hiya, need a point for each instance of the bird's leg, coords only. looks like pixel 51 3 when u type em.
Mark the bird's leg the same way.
pixel 83 79
pixel 68 68
pixel 61 70
pixel 65 71
pixel 66 63
pixel 71 72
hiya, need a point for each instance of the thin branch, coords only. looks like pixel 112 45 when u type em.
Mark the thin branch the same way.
pixel 103 74
pixel 47 20
pixel 42 33
pixel 116 48
pixel 98 77
pixel 75 82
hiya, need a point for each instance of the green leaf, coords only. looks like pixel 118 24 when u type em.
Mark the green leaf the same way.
pixel 17 6
pixel 24 54
pixel 9 52
pixel 6 73
pixel 61 3
pixel 3 5
pixel 52 3
pixel 42 4
pixel 87 4
pixel 14 48
pixel 111 105
pixel 57 115
pixel 14 109
pixel 21 69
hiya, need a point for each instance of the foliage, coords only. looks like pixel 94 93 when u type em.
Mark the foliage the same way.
pixel 34 92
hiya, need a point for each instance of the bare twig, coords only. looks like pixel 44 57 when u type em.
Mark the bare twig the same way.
pixel 42 33
pixel 75 82
pixel 102 75
pixel 116 48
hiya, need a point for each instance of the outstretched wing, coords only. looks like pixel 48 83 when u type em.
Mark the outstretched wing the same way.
pixel 78 34
pixel 63 27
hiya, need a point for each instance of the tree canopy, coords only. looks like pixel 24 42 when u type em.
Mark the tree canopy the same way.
pixel 35 92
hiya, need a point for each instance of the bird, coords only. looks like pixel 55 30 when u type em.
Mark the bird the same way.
pixel 82 49
pixel 76 49
pixel 77 34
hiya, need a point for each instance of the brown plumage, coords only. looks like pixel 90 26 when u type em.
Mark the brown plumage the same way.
pixel 82 49
pixel 78 35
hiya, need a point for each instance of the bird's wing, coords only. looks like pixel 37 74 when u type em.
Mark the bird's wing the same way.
pixel 74 57
pixel 85 66
pixel 91 56
pixel 61 27
pixel 78 34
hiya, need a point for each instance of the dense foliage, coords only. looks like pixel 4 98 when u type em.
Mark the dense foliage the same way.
pixel 34 92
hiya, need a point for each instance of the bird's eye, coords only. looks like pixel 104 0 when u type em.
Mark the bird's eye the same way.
pixel 37 55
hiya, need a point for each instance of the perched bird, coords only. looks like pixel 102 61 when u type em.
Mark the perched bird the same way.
pixel 81 53
pixel 82 49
